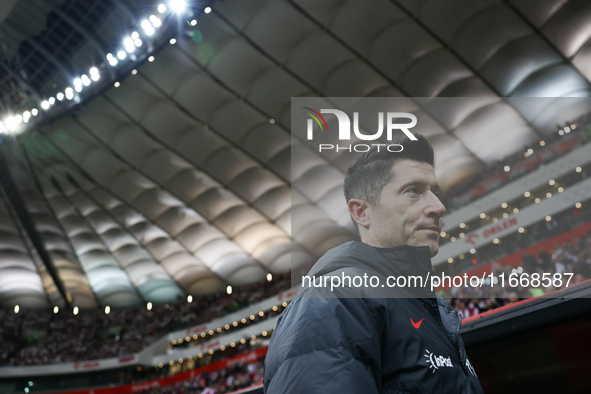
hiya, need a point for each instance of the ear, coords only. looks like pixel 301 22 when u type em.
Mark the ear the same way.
pixel 360 211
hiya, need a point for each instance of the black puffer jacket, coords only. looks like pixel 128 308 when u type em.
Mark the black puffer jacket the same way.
pixel 359 340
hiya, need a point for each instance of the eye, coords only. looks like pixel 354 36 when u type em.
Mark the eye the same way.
pixel 413 190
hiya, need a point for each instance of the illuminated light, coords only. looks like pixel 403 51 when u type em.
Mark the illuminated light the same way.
pixel 69 94
pixel 462 225
pixel 505 215
pixel 26 116
pixel 151 59
pixel 274 309
pixel 537 200
pixel 45 104
pixel 195 337
pixel 173 342
pixel 269 277
pixel 138 43
pixel 272 121
pixel 60 96
pixel 495 220
pixel 530 151
pixel 148 27
pixel 76 310
pixel 161 8
pixel 193 22
pixel 134 71
pixel 149 306
pixel 526 154
pixel 110 56
pixel 117 84
pixel 567 129
pixel 180 341
pixel 78 82
pixel 78 88
pixel 450 260
pixel 172 41
pixel 211 351
pixel 227 327
pixel 253 337
pixel 235 324
pixel 11 123
pixel 160 365
pixel 496 241
pixel 229 289
pixel 107 310
pixel 171 363
pixel 504 205
pixel 443 234
pixel 252 317
pixel 203 335
pixel 573 126
pixel 453 239
pixel 187 339
pixel 135 35
pixel 507 168
pixel 472 251
pixel 261 313
pixel 121 55
pixel 189 298
pixel 551 182
pixel 56 309
pixel 113 62
pixel 210 332
pixel 222 348
pixel 548 195
pixel 519 270
pixel 156 22
pixel 243 320
pixel 284 304
pixel 233 344
pixel 548 218
pixel 578 169
pixel 560 132
pixel 462 235
pixel 521 230
pixel 515 210
pixel 177 6
pixel 17 308
pixel 264 333
pixel 526 194
pixel 207 10
pixel 542 143
pixel 483 215
pixel 51 100
pixel 35 112
pixel 219 329
pixel 578 205
pixel 94 74
pixel 85 80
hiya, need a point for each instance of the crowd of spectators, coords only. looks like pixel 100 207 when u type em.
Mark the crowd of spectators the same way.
pixel 455 196
pixel 232 378
pixel 572 258
pixel 30 337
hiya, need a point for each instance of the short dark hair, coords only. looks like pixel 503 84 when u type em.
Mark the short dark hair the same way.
pixel 368 175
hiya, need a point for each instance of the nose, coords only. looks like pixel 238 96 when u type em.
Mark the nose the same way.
pixel 434 207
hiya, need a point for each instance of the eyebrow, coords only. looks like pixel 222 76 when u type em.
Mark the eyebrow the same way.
pixel 434 187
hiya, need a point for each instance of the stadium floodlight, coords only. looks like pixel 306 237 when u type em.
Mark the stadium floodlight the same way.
pixel 34 112
pixel 51 100
pixel 148 28
pixel 45 105
pixel 207 10
pixel 121 55
pixel 178 6
pixel 161 8
pixel 156 22
pixel 60 96
pixel 85 80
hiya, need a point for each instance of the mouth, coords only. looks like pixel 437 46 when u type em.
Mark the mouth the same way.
pixel 433 229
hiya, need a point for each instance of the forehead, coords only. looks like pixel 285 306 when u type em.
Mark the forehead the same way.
pixel 411 171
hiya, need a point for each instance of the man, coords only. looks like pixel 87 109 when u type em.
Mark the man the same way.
pixel 376 338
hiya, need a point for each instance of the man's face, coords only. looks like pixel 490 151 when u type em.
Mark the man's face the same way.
pixel 409 211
